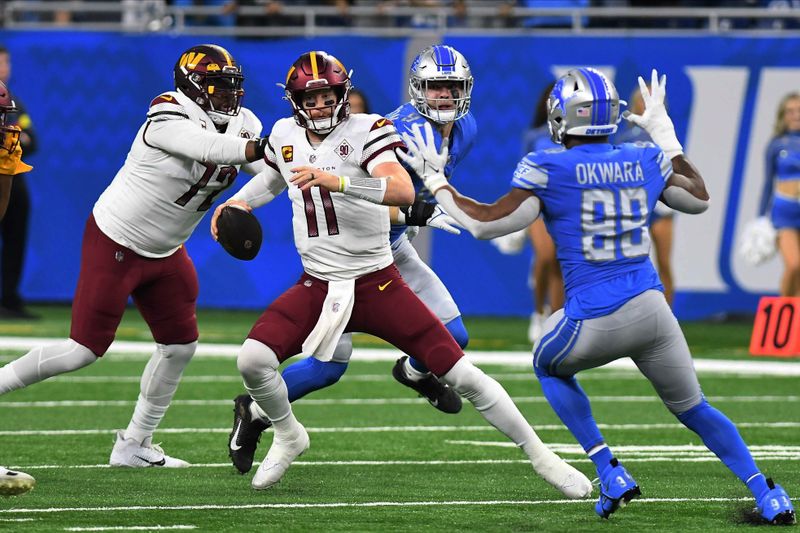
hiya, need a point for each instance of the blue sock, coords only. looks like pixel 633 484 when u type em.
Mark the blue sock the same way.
pixel 311 374
pixel 459 333
pixel 720 436
pixel 572 406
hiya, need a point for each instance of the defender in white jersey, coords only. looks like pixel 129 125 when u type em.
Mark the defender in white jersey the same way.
pixel 341 172
pixel 189 149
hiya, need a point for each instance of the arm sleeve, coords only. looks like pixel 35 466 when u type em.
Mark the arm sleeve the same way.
pixel 518 219
pixel 184 138
pixel 262 189
pixel 769 180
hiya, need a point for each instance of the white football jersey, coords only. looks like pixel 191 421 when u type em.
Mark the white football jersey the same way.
pixel 338 236
pixel 177 165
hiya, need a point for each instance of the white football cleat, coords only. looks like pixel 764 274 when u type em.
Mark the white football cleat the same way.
pixel 563 476
pixel 129 453
pixel 14 483
pixel 280 455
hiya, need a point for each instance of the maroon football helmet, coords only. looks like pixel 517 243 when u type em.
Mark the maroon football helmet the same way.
pixel 318 70
pixel 9 135
pixel 213 79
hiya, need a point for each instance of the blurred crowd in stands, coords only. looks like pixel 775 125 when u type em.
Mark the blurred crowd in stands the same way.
pixel 458 13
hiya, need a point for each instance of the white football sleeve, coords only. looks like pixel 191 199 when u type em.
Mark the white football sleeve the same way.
pixel 183 138
pixel 518 219
pixel 262 188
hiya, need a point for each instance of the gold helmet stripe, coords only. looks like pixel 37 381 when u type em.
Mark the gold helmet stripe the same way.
pixel 314 70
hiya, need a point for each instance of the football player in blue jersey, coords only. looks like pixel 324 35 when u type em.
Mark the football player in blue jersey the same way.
pixel 596 199
pixel 440 86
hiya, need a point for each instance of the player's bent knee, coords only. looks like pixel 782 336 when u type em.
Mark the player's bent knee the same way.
pixel 65 358
pixel 686 411
pixel 255 359
pixel 178 352
pixel 458 331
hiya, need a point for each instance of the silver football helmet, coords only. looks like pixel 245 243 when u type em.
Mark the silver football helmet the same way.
pixel 583 102
pixel 441 63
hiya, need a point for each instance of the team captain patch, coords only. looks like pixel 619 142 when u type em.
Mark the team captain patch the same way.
pixel 288 153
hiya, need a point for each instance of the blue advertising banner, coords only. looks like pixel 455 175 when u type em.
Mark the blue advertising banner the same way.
pixel 88 95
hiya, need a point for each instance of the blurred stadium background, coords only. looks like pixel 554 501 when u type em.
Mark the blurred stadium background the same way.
pixel 87 70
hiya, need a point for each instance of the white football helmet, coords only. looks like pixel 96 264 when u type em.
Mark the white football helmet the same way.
pixel 440 63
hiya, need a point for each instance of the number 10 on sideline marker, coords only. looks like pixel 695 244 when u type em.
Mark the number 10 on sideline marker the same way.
pixel 776 330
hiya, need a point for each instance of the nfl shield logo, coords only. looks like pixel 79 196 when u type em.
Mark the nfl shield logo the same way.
pixel 119 256
pixel 312 158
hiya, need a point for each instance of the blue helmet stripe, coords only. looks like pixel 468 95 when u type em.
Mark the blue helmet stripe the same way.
pixel 593 88
pixel 602 100
pixel 445 61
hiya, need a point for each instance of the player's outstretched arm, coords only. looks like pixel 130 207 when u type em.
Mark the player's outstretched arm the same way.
pixel 685 189
pixel 512 212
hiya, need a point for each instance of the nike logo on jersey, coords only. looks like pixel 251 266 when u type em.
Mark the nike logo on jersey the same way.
pixel 162 462
pixel 382 287
pixel 381 123
pixel 235 437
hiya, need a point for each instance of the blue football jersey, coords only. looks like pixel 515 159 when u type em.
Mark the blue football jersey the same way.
pixel 596 200
pixel 783 163
pixel 462 139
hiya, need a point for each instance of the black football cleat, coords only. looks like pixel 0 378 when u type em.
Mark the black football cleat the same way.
pixel 243 440
pixel 437 393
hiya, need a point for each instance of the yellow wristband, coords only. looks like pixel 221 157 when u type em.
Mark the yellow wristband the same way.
pixel 341 183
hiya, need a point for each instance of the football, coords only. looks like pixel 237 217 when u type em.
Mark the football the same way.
pixel 239 232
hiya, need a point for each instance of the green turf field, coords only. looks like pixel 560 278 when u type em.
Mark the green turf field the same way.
pixel 380 459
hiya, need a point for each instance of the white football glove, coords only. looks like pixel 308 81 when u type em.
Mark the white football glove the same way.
pixel 441 220
pixel 758 240
pixel 655 120
pixel 423 158
pixel 511 243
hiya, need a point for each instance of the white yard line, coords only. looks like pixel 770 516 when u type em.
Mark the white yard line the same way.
pixel 454 503
pixel 386 401
pixel 519 358
pixel 130 528
pixel 388 429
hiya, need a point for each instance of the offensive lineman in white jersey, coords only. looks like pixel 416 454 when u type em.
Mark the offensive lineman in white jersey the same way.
pixel 189 149
pixel 342 173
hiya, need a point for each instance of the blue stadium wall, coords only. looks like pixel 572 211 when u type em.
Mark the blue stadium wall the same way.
pixel 88 95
